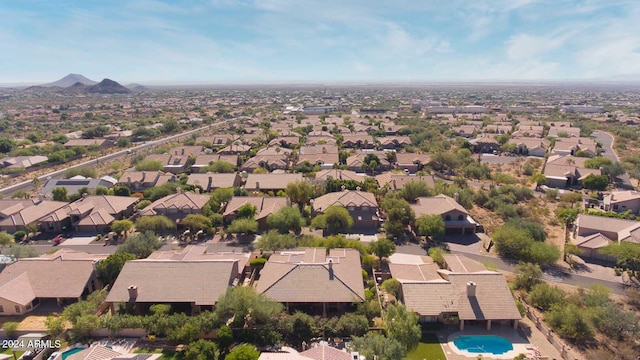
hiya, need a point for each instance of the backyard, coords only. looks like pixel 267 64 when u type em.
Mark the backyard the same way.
pixel 428 348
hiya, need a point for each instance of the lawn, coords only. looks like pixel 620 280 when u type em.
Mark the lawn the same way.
pixel 428 348
pixel 10 352
pixel 166 354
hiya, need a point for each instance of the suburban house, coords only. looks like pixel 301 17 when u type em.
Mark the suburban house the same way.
pixel 217 140
pixel 188 285
pixel 563 131
pixel 457 219
pixel 498 128
pixel 396 181
pixel 570 146
pixel 22 162
pixel 464 292
pixel 188 151
pixel 212 181
pixel 566 171
pixel 530 146
pixel 64 277
pixel 203 253
pixel 622 201
pixel 285 141
pixel 91 213
pixel 20 215
pixel 177 206
pixel 535 131
pixel 320 138
pixel 76 183
pixel 312 281
pixel 465 131
pixel 265 206
pixel 138 181
pixel 595 232
pixel 235 148
pixel 269 162
pixel 485 143
pixel 411 162
pixel 173 164
pixel 338 174
pixel 270 182
pixel 358 141
pixel 325 156
pixel 356 162
pixel 204 160
pixel 394 142
pixel 362 207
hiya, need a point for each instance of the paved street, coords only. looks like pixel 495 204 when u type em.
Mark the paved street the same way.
pixel 496 159
pixel 606 139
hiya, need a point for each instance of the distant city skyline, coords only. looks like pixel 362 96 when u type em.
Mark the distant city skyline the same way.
pixel 302 41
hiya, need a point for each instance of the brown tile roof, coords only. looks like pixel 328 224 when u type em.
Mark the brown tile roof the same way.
pixel 49 278
pixel 462 264
pixel 95 352
pixel 167 281
pixel 333 278
pixel 187 150
pixel 326 352
pixel 321 159
pixel 595 241
pixel 338 174
pixel 357 160
pixel 279 161
pixel 85 142
pixel 191 201
pixel 30 214
pixel 98 205
pixel 143 177
pixel 439 204
pixel 265 205
pixel 414 272
pixel 412 158
pixel 271 181
pixel 344 198
pixel 217 180
pixel 205 160
pixel 200 252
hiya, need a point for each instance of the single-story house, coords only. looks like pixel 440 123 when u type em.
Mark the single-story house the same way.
pixel 138 181
pixel 411 162
pixel 622 201
pixel 270 182
pixel 204 160
pixel 362 206
pixel 74 184
pixel 28 214
pixel 212 181
pixel 312 281
pixel 530 146
pixel 265 206
pixel 566 171
pixel 177 206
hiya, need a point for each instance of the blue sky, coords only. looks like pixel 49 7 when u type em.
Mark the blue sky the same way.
pixel 275 41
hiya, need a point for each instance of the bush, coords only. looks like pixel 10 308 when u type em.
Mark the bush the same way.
pixel 258 262
pixel 143 204
pixel 19 235
pixel 157 223
pixel 10 328
pixel 393 287
pixel 243 226
pixel 544 296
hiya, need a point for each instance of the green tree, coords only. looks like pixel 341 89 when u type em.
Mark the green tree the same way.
pixel 544 296
pixel 10 328
pixel 141 245
pixel 595 182
pixel 286 219
pixel 7 145
pixel 430 225
pixel 597 162
pixel 298 327
pixel 392 286
pixel 334 220
pixel 102 190
pixel 156 223
pixel 538 179
pixel 201 350
pixel 55 325
pixel 109 268
pixel 567 215
pixel 375 344
pixel 300 192
pixel 273 241
pixel 60 193
pixel 528 275
pixel 219 166
pixel 241 306
pixel 399 215
pixel 571 322
pixel 627 255
pixel 247 211
pixel 243 226
pixel 224 336
pixel 382 248
pixel 121 226
pixel 616 323
pixel 187 333
pixel 121 191
pixel 371 162
pixel 414 189
pixel 350 325
pixel 196 222
pixel 243 352
pixel 86 324
pixel 6 239
pixel 402 326
pixel 436 253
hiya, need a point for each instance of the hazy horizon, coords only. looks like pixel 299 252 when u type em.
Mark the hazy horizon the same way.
pixel 304 41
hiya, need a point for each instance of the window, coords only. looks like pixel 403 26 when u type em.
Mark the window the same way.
pixel 460 217
pixel 447 218
pixel 1 309
pixel 615 207
pixel 18 309
pixel 28 306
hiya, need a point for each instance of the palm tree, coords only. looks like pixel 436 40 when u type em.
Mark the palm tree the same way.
pixel 36 183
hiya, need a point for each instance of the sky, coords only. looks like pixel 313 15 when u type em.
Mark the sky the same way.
pixel 319 41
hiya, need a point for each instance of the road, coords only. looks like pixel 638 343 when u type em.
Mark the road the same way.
pixel 26 185
pixel 606 139
pixel 553 275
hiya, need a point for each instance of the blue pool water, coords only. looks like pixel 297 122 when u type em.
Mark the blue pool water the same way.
pixel 483 344
pixel 68 353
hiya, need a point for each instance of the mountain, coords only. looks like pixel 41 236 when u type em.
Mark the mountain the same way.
pixel 107 86
pixel 70 80
pixel 136 87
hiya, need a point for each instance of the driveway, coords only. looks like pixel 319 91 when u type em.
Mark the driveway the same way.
pixel 606 139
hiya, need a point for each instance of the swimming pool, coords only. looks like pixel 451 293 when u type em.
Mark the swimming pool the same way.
pixel 483 344
pixel 70 352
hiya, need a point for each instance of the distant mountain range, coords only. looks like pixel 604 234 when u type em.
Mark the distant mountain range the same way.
pixel 76 84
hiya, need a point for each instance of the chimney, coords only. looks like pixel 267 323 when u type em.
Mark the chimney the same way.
pixel 394 184
pixel 257 185
pixel 209 183
pixel 182 153
pixel 178 190
pixel 133 292
pixel 129 180
pixel 471 289
pixel 357 188
pixel 330 269
pixel 456 197
pixel 144 175
pixel 344 188
pixel 197 190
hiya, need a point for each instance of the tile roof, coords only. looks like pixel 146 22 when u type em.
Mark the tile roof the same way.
pixel 164 281
pixel 200 252
pixel 595 241
pixel 415 272
pixel 345 198
pixel 326 352
pixel 265 205
pixel 338 174
pixel 180 200
pixel 462 264
pixel 271 181
pixel 95 352
pixel 311 277
pixel 30 214
pixel 439 204
pixel 217 180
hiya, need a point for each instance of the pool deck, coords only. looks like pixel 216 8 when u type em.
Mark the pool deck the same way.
pixel 533 339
